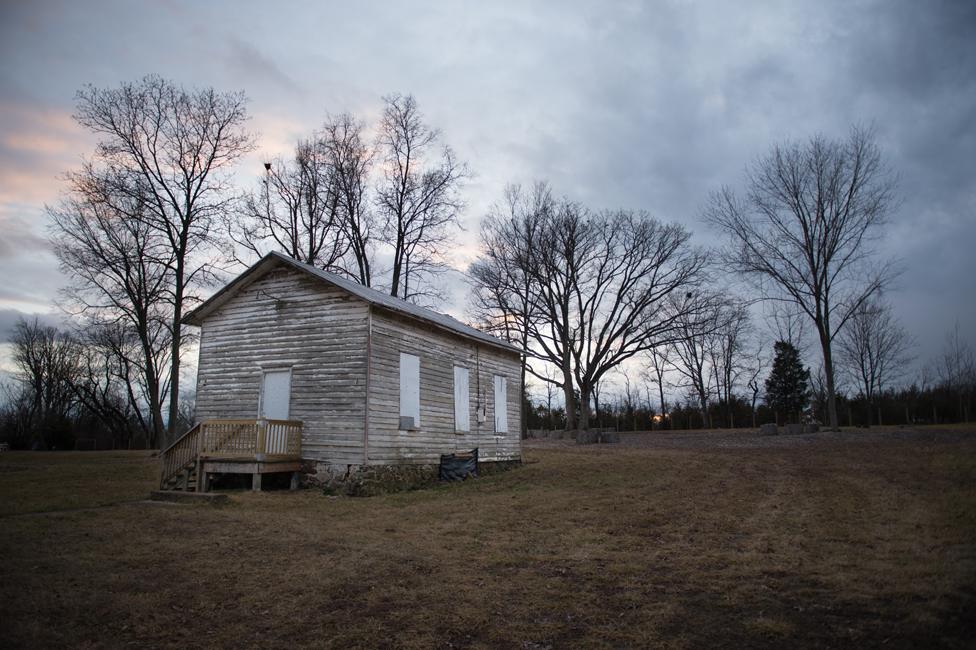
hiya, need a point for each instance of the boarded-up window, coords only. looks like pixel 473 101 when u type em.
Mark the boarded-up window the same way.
pixel 501 404
pixel 462 402
pixel 410 389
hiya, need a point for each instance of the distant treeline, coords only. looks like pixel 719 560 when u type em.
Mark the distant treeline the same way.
pixel 939 404
pixel 71 391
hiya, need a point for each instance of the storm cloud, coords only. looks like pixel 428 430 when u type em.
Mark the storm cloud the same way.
pixel 634 105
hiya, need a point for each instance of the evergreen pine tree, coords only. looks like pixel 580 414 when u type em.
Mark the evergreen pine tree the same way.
pixel 788 384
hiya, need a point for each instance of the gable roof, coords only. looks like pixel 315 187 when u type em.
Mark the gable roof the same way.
pixel 371 296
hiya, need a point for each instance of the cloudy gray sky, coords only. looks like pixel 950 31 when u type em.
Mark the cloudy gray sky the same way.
pixel 618 104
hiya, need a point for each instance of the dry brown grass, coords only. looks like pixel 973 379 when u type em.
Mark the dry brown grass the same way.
pixel 841 542
pixel 66 480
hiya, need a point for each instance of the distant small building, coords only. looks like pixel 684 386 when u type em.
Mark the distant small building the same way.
pixel 373 380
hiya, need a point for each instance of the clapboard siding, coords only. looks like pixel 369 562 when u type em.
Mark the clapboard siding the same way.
pixel 286 319
pixel 439 352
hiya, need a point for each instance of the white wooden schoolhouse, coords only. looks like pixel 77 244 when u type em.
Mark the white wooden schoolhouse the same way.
pixel 301 367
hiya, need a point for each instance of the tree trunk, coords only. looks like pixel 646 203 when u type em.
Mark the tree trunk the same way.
pixel 664 413
pixel 829 372
pixel 703 403
pixel 552 425
pixel 584 422
pixel 397 267
pixel 524 424
pixel 174 379
pixel 156 430
pixel 570 400
pixel 156 413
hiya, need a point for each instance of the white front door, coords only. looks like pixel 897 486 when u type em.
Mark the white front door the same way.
pixel 275 394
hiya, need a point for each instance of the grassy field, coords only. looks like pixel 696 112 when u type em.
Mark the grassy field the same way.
pixel 695 540
pixel 67 480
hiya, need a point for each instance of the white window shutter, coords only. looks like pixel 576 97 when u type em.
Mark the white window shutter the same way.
pixel 501 404
pixel 410 387
pixel 462 400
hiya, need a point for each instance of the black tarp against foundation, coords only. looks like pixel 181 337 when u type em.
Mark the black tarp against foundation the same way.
pixel 459 466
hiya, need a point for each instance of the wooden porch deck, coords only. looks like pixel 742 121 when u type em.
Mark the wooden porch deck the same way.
pixel 245 446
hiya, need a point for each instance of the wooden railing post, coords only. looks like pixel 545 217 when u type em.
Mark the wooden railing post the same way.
pixel 201 446
pixel 260 447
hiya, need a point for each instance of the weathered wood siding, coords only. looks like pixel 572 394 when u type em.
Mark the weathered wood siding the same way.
pixel 439 352
pixel 287 319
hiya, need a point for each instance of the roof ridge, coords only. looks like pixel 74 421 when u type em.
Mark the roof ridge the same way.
pixel 369 294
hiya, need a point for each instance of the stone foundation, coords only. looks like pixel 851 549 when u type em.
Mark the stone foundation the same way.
pixel 371 480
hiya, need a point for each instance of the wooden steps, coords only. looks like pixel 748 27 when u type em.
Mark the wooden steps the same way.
pixel 185 481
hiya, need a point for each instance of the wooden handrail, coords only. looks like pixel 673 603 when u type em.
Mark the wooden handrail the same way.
pixel 180 439
pixel 180 455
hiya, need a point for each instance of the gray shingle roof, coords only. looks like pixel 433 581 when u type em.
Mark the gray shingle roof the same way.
pixel 371 296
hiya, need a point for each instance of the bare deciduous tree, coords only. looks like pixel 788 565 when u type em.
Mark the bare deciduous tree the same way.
pixel 107 382
pixel 315 208
pixel 66 379
pixel 297 212
pixel 754 370
pixel 172 148
pixel 501 298
pixel 121 278
pixel 699 317
pixel 47 365
pixel 784 322
pixel 802 233
pixel 418 199
pixel 622 291
pixel 659 361
pixel 540 301
pixel 350 161
pixel 956 369
pixel 875 350
pixel 589 291
pixel 631 399
pixel 728 353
